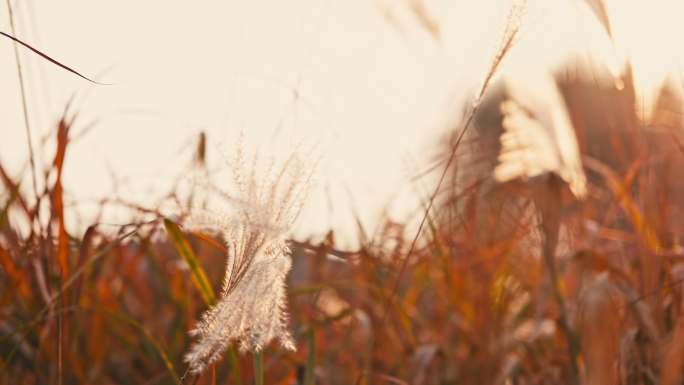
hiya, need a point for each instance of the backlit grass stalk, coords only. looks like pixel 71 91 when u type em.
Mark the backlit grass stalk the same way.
pixel 258 368
pixel 547 199
pixel 508 40
pixel 24 100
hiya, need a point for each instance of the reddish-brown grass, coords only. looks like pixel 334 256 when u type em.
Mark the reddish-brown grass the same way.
pixel 514 283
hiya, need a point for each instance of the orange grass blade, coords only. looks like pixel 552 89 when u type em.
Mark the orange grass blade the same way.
pixel 620 190
pixel 14 273
pixel 210 241
pixel 58 198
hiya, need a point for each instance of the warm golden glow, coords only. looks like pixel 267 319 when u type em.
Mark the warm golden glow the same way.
pixel 223 68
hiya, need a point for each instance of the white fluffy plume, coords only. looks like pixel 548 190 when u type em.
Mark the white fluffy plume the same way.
pixel 252 309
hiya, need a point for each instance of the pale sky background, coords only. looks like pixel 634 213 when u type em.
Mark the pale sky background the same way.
pixel 374 96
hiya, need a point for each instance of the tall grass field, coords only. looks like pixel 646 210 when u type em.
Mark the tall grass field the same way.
pixel 547 249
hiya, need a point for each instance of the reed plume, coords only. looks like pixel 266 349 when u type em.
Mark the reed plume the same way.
pixel 252 309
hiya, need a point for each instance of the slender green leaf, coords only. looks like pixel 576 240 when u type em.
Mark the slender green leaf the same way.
pixel 258 368
pixel 198 276
pixel 234 365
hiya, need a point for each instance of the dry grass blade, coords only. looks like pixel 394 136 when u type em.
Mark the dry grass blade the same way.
pixel 50 59
pixel 13 189
pixel 674 357
pixel 57 196
pixel 620 190
pixel 600 327
pixel 599 8
pixel 24 100
pixel 427 21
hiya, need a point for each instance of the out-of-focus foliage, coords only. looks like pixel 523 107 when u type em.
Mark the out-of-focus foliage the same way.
pixel 510 283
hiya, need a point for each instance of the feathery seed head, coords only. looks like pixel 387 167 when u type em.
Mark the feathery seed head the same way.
pixel 252 310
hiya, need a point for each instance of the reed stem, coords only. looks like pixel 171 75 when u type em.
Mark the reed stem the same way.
pixel 258 368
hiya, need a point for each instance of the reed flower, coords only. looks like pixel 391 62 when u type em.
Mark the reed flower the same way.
pixel 539 137
pixel 252 309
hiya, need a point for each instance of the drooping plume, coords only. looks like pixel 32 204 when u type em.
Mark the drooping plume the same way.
pixel 252 309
